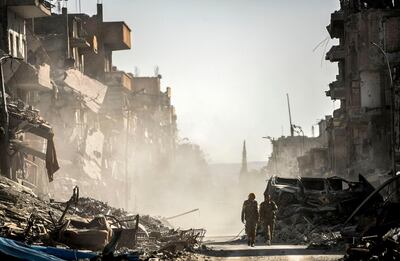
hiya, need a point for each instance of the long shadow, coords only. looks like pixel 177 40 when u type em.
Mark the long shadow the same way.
pixel 268 252
pixel 225 243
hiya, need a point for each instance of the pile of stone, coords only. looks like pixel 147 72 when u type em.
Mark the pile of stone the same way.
pixel 297 224
pixel 313 210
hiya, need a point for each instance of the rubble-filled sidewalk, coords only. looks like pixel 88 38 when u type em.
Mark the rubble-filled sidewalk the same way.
pixel 30 225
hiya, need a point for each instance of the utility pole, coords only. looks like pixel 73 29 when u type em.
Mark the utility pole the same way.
pixel 290 116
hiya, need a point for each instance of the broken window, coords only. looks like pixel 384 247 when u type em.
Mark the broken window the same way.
pixel 313 184
pixel 284 181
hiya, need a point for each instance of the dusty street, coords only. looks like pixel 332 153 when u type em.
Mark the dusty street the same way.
pixel 227 251
pixel 195 130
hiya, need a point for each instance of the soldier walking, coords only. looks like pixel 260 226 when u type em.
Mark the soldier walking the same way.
pixel 250 218
pixel 268 210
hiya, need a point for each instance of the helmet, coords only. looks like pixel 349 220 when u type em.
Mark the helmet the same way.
pixel 252 196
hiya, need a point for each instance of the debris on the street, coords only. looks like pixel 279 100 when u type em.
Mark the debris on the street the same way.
pixel 311 210
pixel 85 224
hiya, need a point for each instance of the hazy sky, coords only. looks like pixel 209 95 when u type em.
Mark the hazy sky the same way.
pixel 230 64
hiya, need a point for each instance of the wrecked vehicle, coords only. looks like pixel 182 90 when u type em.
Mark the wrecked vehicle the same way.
pixel 311 207
pixel 317 191
pixel 372 230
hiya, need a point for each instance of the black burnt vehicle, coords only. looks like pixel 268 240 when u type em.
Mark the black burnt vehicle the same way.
pixel 312 210
pixel 318 192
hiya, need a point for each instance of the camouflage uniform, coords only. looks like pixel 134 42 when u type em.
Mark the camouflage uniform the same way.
pixel 250 215
pixel 267 218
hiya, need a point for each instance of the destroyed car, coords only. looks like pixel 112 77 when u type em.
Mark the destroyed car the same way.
pixel 283 190
pixel 309 208
pixel 317 191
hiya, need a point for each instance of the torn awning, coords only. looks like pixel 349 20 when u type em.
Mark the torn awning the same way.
pixel 92 91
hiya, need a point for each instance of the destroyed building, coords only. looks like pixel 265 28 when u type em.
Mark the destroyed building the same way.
pixel 365 129
pixel 105 120
pixel 316 161
pixel 76 108
pixel 28 150
pixel 361 140
pixel 156 128
pixel 287 150
pixel 362 135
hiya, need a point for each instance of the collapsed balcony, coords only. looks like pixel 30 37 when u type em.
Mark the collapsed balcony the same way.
pixel 25 119
pixel 31 78
pixel 91 91
pixel 336 27
pixel 336 90
pixel 30 8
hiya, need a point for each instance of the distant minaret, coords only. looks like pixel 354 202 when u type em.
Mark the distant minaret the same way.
pixel 243 170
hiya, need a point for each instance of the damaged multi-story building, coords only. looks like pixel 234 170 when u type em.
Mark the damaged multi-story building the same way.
pixel 363 134
pixel 79 50
pixel 156 129
pixel 299 155
pixel 108 124
pixel 364 131
pixel 28 151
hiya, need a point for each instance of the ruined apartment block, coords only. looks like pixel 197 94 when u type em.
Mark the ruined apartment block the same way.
pixel 299 155
pixel 28 137
pixel 105 120
pixel 363 129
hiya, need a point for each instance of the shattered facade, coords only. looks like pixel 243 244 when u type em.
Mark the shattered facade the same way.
pixel 109 125
pixel 156 128
pixel 364 130
pixel 291 155
pixel 363 134
pixel 28 150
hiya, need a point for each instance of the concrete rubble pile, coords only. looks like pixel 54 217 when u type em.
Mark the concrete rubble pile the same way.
pixel 386 247
pixel 84 224
pixel 312 210
pixel 372 230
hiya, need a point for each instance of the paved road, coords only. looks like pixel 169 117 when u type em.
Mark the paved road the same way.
pixel 227 251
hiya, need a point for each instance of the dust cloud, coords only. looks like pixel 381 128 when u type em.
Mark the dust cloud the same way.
pixel 216 190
